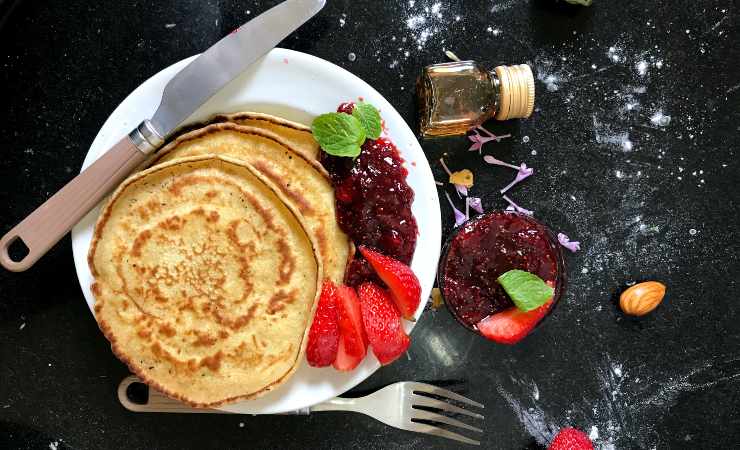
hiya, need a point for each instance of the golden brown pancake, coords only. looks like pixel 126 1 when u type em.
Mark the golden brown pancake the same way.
pixel 205 280
pixel 295 135
pixel 303 182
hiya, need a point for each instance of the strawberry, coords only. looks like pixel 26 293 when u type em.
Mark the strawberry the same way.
pixel 352 341
pixel 382 323
pixel 323 337
pixel 571 439
pixel 512 325
pixel 400 279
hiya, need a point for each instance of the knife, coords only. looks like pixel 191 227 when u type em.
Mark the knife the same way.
pixel 188 90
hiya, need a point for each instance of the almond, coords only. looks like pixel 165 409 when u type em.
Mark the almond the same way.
pixel 642 298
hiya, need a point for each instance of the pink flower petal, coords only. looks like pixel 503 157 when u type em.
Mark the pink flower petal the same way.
pixel 497 162
pixel 462 190
pixel 476 204
pixel 516 207
pixel 459 216
pixel 523 173
pixel 573 246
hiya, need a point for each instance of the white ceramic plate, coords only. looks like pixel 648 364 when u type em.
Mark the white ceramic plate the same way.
pixel 298 87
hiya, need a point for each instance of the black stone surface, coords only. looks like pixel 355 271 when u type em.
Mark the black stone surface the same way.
pixel 664 207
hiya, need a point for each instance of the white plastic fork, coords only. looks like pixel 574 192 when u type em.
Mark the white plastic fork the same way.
pixel 397 405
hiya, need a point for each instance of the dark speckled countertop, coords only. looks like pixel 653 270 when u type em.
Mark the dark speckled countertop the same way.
pixel 649 198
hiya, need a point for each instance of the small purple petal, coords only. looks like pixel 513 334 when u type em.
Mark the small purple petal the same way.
pixel 497 162
pixel 476 204
pixel 444 166
pixel 461 190
pixel 517 208
pixel 573 246
pixel 459 216
pixel 523 173
pixel 493 136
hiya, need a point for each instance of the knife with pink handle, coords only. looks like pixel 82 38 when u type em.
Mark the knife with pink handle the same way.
pixel 188 90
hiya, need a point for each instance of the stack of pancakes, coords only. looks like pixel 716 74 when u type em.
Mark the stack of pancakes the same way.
pixel 208 264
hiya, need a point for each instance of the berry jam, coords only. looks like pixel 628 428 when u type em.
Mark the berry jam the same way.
pixel 485 248
pixel 373 203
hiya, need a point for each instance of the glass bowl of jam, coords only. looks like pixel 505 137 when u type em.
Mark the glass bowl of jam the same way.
pixel 482 249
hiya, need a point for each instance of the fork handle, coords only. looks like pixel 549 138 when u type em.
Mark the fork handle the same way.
pixel 158 402
pixel 337 404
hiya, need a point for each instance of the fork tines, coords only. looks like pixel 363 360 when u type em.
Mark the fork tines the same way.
pixel 420 399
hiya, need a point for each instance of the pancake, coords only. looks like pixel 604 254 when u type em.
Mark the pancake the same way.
pixel 303 182
pixel 295 135
pixel 205 280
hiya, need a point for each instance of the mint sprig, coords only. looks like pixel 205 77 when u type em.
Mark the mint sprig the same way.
pixel 339 134
pixel 369 117
pixel 525 289
pixel 342 134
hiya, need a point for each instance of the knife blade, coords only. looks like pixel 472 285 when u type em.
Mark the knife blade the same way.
pixel 187 91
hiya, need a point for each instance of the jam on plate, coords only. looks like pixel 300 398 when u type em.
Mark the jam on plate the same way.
pixel 373 203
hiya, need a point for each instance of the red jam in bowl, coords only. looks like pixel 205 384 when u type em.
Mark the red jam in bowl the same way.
pixel 373 203
pixel 483 249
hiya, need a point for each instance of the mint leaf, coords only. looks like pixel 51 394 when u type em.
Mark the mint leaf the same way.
pixel 369 117
pixel 339 134
pixel 580 2
pixel 526 290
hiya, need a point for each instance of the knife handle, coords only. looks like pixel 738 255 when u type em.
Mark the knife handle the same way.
pixel 51 221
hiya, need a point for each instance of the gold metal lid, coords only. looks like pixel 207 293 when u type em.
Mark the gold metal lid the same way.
pixel 516 92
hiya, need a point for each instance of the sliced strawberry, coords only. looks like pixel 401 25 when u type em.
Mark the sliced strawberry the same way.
pixel 323 337
pixel 512 325
pixel 571 439
pixel 400 279
pixel 352 341
pixel 382 323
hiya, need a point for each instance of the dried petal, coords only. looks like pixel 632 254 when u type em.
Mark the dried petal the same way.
pixel 497 162
pixel 462 177
pixel 514 207
pixel 462 191
pixel 523 173
pixel 573 246
pixel 478 140
pixel 476 204
pixel 459 216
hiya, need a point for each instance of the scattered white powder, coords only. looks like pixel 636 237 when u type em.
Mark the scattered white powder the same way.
pixel 342 20
pixel 241 424
pixel 169 25
pixel 53 445
pixel 607 135
pixel 425 20
pixel 693 231
pixel 659 119
pixel 352 57
pixel 594 434
pixel 23 325
pixel 628 406
pixel 642 68
pixel 616 54
pixel 499 6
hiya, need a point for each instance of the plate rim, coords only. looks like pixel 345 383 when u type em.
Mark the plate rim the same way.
pixel 420 163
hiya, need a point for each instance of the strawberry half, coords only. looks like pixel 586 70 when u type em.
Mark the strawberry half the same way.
pixel 399 278
pixel 382 323
pixel 512 325
pixel 571 439
pixel 323 337
pixel 352 341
